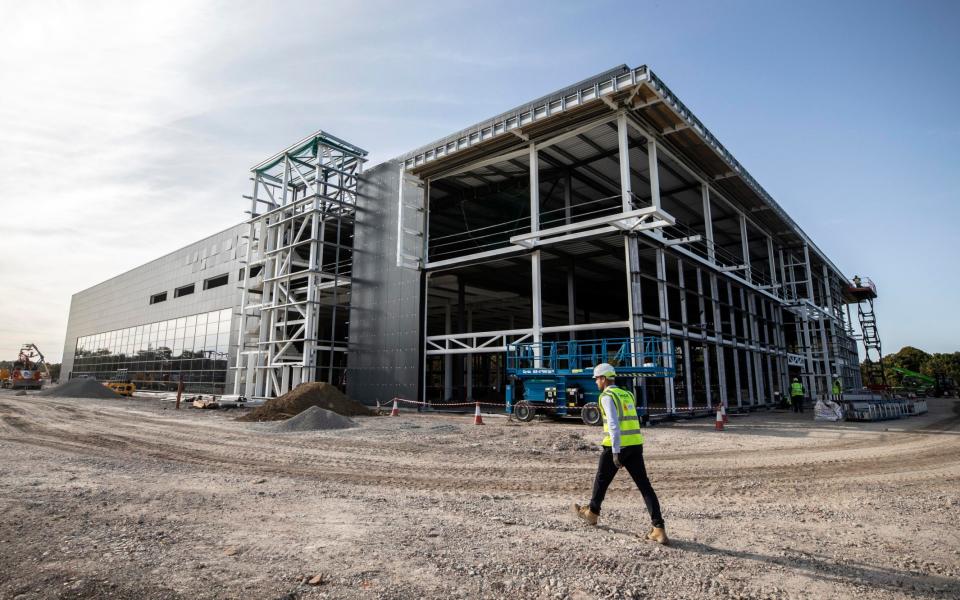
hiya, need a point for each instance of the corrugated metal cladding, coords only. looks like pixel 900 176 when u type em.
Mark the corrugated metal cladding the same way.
pixel 384 352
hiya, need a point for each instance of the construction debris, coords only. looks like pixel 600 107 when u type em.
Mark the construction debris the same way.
pixel 315 419
pixel 303 397
pixel 80 388
pixel 827 410
pixel 206 402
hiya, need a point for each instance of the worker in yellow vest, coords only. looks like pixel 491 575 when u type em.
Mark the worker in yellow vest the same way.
pixel 837 388
pixel 622 448
pixel 796 395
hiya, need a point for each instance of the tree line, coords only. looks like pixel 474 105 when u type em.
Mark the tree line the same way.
pixel 937 365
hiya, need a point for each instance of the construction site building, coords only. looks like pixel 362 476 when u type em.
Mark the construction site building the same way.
pixel 605 209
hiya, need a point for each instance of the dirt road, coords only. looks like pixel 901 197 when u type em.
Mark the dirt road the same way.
pixel 130 499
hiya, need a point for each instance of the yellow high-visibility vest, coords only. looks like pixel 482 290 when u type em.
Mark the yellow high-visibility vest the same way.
pixel 627 417
pixel 796 389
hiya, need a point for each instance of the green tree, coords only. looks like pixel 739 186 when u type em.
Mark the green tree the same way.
pixel 943 365
pixel 940 365
pixel 909 358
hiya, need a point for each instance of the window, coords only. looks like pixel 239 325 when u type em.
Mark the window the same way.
pixel 215 282
pixel 161 297
pixel 254 271
pixel 195 346
pixel 183 291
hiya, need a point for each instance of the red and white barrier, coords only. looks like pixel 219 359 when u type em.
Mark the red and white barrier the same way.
pixel 396 409
pixel 718 424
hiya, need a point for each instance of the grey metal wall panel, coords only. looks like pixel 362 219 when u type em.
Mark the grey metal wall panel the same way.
pixel 385 309
pixel 124 300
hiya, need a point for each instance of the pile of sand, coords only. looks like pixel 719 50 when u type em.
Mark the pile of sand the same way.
pixel 80 388
pixel 303 397
pixel 315 419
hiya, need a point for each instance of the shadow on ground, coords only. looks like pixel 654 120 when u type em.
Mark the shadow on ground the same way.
pixel 827 570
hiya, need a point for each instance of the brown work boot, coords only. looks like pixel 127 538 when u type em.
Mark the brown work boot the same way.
pixel 658 535
pixel 588 516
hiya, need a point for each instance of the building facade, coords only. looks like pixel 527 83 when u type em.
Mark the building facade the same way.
pixel 171 317
pixel 603 210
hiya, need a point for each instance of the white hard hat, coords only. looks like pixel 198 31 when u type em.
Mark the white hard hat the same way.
pixel 604 370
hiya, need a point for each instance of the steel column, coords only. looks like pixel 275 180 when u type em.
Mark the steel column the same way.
pixel 669 391
pixel 623 141
pixel 687 363
pixel 708 222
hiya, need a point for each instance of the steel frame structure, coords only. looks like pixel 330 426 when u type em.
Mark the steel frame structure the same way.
pixel 296 286
pixel 750 309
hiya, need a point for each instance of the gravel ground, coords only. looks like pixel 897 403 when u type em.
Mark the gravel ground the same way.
pixel 131 499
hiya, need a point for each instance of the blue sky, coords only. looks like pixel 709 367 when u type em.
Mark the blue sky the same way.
pixel 127 128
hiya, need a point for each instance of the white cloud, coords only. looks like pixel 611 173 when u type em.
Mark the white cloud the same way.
pixel 127 127
pixel 87 89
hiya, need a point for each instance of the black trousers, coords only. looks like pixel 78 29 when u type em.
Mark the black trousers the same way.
pixel 631 457
pixel 797 402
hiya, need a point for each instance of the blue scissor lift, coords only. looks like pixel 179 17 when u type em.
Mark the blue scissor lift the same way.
pixel 556 378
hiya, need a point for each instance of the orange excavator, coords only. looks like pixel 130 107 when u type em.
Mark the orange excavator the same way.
pixel 27 371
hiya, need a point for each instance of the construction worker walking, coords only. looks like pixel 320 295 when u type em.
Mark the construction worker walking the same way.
pixel 622 448
pixel 797 393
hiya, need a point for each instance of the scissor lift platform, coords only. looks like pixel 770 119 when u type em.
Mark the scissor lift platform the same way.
pixel 556 378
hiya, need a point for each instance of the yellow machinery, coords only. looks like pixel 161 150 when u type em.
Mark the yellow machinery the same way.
pixel 121 387
pixel 122 384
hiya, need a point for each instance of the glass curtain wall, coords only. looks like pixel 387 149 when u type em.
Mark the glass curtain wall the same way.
pixel 156 354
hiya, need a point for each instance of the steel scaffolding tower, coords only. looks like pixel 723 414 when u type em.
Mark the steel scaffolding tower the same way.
pixel 296 284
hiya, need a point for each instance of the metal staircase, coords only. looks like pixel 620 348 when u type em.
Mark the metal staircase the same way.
pixel 863 292
pixel 871 344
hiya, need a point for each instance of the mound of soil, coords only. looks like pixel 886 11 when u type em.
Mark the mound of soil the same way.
pixel 80 388
pixel 315 419
pixel 303 397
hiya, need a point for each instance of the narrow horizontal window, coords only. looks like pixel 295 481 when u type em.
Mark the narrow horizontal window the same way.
pixel 183 291
pixel 161 297
pixel 215 282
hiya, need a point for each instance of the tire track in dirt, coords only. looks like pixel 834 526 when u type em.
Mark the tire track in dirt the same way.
pixel 192 443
